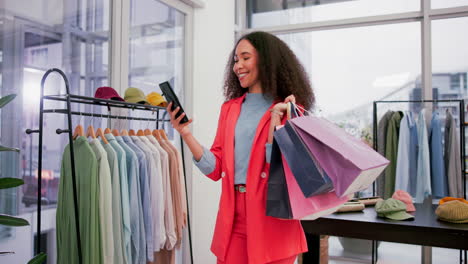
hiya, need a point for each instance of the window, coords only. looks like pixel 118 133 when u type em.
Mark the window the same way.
pixel 278 13
pixel 448 3
pixel 350 68
pixel 156 48
pixel 450 57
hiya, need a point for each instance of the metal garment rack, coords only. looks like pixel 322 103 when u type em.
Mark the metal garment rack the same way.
pixel 69 99
pixel 461 106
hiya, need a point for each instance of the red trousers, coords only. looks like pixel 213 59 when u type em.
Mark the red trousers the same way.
pixel 237 250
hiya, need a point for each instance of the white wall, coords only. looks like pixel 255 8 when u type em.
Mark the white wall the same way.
pixel 22 242
pixel 213 40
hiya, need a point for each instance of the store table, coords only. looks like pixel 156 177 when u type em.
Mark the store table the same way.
pixel 424 230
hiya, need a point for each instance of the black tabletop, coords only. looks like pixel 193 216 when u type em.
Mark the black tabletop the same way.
pixel 425 229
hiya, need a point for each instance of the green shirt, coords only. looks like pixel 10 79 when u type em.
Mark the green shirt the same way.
pixel 87 187
pixel 391 152
pixel 105 201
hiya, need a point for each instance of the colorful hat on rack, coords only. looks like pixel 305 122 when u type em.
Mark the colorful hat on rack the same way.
pixel 107 93
pixel 135 96
pixel 156 99
pixel 453 211
pixel 392 209
pixel 406 198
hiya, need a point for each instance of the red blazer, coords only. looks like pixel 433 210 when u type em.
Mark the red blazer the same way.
pixel 268 238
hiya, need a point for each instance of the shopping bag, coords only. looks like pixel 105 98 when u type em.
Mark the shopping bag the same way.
pixel 310 177
pixel 313 207
pixel 277 202
pixel 350 163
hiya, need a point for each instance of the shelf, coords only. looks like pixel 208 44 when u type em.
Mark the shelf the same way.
pixel 103 102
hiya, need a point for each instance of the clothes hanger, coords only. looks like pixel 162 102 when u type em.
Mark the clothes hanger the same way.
pixel 156 134
pixel 107 131
pixel 163 134
pixel 140 133
pixel 100 134
pixel 79 130
pixel 115 132
pixel 90 131
pixel 131 132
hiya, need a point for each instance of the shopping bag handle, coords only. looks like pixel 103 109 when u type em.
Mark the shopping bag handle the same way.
pixel 301 108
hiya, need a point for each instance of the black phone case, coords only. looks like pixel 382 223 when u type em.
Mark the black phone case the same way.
pixel 172 97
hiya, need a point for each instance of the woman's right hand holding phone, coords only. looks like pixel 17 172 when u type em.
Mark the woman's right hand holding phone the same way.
pixel 175 122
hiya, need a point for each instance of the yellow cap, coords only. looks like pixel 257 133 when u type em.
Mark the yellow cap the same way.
pixel 156 99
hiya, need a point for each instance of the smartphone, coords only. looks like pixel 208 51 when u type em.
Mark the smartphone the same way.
pixel 170 96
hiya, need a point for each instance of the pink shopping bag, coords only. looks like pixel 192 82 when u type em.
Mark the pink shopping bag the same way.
pixel 313 207
pixel 350 163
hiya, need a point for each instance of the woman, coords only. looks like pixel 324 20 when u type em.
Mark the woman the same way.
pixel 262 75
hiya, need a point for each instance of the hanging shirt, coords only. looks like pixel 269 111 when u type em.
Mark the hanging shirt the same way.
pixel 452 157
pixel 145 170
pixel 181 182
pixel 391 152
pixel 169 221
pixel 155 190
pixel 176 192
pixel 136 212
pixel 381 138
pixel 407 157
pixel 438 177
pixel 87 192
pixel 423 188
pixel 105 201
pixel 125 200
pixel 117 223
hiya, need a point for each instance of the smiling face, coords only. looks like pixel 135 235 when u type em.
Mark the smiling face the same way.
pixel 246 66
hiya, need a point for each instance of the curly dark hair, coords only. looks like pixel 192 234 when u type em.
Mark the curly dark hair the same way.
pixel 280 72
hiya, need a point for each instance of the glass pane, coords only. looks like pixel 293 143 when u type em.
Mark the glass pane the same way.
pixel 450 61
pixel 378 62
pixel 448 3
pixel 156 49
pixel 275 13
pixel 36 36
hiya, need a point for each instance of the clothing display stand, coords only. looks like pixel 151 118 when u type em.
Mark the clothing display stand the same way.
pixel 461 106
pixel 69 99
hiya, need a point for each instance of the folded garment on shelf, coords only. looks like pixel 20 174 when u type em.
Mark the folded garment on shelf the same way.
pixel 351 207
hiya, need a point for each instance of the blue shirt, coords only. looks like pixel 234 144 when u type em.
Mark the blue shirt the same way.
pixel 407 157
pixel 145 195
pixel 253 108
pixel 127 230
pixel 423 188
pixel 136 212
pixel 438 179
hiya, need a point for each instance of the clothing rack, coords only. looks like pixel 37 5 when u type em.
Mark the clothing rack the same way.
pixel 461 106
pixel 69 99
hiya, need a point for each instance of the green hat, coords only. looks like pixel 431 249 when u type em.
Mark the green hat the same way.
pixel 392 209
pixel 135 95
